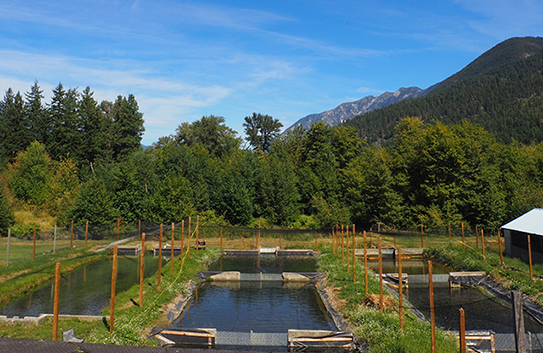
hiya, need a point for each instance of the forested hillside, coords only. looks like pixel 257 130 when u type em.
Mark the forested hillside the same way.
pixel 469 151
pixel 502 91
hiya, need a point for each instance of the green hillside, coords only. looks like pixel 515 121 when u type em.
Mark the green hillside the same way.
pixel 502 90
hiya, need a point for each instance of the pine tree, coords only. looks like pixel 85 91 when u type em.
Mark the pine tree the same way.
pixel 127 128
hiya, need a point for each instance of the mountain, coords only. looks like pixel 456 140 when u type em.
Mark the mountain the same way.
pixel 502 90
pixel 346 111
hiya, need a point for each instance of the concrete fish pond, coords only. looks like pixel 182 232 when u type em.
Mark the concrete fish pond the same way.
pixel 269 309
pixel 84 291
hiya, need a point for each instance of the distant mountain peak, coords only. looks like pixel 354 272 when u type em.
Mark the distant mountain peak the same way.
pixel 349 110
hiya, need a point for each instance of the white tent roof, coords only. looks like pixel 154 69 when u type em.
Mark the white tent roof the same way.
pixel 530 222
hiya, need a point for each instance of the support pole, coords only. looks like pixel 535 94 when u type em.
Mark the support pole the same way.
pixel 9 243
pixel 118 227
pixel 333 241
pixel 432 313
pixel 380 276
pixel 500 249
pixel 462 331
pixel 365 263
pixel 400 288
pixel 477 237
pixel 258 235
pixel 483 243
pixel 72 235
pixel 55 301
pixel 34 245
pixel 221 238
pixel 520 334
pixel 182 242
pixel 463 239
pixel 113 284
pixel 190 237
pixel 354 254
pixel 343 244
pixel 86 232
pixel 197 232
pixel 347 246
pixel 530 255
pixel 160 257
pixel 142 262
pixel 422 236
pixel 173 244
pixel 55 241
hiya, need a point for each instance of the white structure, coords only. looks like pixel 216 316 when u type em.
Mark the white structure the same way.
pixel 516 235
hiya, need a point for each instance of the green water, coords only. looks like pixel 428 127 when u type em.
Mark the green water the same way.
pixel 84 291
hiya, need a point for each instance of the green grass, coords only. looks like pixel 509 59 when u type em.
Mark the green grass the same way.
pixel 380 330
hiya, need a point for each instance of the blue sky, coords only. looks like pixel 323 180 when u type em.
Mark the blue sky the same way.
pixel 186 59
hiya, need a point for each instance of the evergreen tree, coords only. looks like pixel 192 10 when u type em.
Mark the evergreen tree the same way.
pixel 15 131
pixel 37 114
pixel 127 128
pixel 261 130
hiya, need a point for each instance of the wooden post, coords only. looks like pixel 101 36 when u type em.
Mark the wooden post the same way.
pixel 365 263
pixel 483 242
pixel 118 227
pixel 477 237
pixel 400 288
pixel 142 262
pixel 190 236
pixel 380 276
pixel 182 242
pixel 500 249
pixel 86 232
pixel 72 235
pixel 463 239
pixel 347 246
pixel 333 241
pixel 160 256
pixel 113 283
pixel 520 334
pixel 173 244
pixel 197 232
pixel 422 236
pixel 258 235
pixel 55 302
pixel 432 314
pixel 354 254
pixel 342 245
pixel 55 240
pixel 462 331
pixel 34 245
pixel 221 238
pixel 530 255
pixel 139 228
pixel 9 241
pixel 371 238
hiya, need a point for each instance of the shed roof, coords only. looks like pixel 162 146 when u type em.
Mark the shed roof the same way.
pixel 531 222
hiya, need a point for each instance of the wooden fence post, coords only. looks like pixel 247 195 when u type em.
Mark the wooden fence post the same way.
pixel 197 232
pixel 118 227
pixel 55 240
pixel 160 256
pixel 72 235
pixel 86 232
pixel 380 277
pixel 173 244
pixel 432 314
pixel 500 249
pixel 530 255
pixel 365 264
pixel 462 331
pixel 55 301
pixel 34 245
pixel 113 284
pixel 477 237
pixel 182 242
pixel 9 243
pixel 142 262
pixel 400 288
pixel 347 245
pixel 354 254
pixel 343 244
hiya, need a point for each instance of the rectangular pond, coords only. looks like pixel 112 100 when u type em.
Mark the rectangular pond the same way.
pixel 84 291
pixel 265 263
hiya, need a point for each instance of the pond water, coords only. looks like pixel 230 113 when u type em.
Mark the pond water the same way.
pixel 483 311
pixel 265 263
pixel 257 306
pixel 84 291
pixel 412 267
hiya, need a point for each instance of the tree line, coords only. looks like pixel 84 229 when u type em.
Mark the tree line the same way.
pixel 431 174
